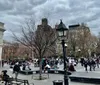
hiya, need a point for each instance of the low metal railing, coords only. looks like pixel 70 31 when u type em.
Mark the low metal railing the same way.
pixel 13 81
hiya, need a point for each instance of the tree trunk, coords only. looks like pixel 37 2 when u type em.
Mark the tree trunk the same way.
pixel 32 54
pixel 40 70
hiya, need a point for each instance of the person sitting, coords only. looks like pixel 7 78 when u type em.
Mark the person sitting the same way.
pixel 54 67
pixel 71 68
pixel 47 67
pixel 5 77
pixel 24 67
pixel 27 68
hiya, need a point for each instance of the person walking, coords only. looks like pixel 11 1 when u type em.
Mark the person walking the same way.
pixel 16 70
pixel 82 61
pixel 86 65
pixel 93 64
pixel 97 62
pixel 90 64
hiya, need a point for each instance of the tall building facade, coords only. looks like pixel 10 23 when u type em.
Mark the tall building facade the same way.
pixel 79 39
pixel 48 35
pixel 15 50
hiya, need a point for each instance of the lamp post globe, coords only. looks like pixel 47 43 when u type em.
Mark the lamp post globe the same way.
pixel 79 50
pixel 66 45
pixel 62 32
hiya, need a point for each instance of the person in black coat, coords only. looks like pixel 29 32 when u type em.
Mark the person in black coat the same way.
pixel 16 70
pixel 86 65
pixel 93 64
pixel 5 77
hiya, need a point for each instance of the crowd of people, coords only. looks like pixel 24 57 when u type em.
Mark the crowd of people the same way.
pixel 90 63
pixel 16 66
pixel 52 63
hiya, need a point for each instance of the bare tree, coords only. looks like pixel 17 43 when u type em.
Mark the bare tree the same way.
pixel 98 45
pixel 72 42
pixel 41 41
pixel 80 38
pixel 86 41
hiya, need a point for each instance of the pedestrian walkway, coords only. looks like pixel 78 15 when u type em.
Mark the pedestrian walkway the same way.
pixel 52 77
pixel 80 68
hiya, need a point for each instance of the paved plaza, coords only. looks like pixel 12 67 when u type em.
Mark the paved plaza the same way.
pixel 52 77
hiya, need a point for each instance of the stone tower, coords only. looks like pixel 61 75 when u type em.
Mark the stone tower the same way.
pixel 1 40
pixel 44 21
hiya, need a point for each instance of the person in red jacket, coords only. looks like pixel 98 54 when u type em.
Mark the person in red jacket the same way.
pixel 71 68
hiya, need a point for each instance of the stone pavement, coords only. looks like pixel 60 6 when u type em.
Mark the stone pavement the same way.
pixel 81 71
pixel 52 77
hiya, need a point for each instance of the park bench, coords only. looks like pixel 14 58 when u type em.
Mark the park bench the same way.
pixel 85 79
pixel 19 82
pixel 26 72
pixel 57 71
pixel 43 73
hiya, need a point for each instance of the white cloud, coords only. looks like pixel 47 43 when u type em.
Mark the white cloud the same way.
pixel 13 12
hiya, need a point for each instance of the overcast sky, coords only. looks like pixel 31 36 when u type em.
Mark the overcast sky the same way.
pixel 13 13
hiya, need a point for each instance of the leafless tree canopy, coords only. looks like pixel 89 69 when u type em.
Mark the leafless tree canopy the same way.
pixel 81 38
pixel 41 41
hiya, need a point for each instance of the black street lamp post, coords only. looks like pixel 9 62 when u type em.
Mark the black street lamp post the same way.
pixel 62 31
